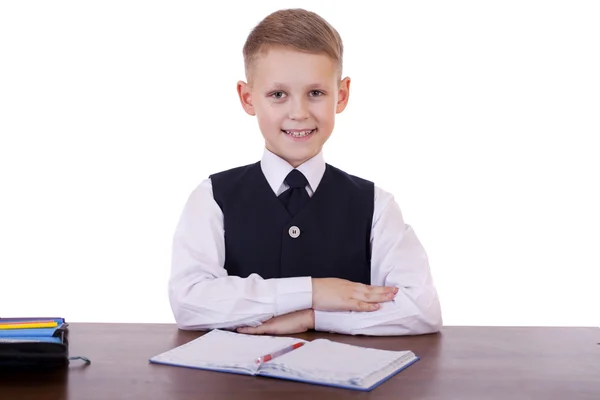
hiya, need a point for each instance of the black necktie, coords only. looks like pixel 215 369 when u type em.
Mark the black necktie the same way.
pixel 296 196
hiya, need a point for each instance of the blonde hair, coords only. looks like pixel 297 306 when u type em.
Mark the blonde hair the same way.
pixel 294 28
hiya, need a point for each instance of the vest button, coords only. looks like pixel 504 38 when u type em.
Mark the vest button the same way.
pixel 294 231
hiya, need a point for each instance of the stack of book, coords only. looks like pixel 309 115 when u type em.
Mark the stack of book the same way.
pixel 33 343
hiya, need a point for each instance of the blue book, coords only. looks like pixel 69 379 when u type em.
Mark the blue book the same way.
pixel 320 362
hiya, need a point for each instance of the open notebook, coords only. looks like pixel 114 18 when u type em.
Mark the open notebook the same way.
pixel 320 361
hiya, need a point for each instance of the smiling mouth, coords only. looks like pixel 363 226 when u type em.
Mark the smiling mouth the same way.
pixel 296 133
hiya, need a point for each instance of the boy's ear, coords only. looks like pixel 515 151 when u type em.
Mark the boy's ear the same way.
pixel 245 97
pixel 343 95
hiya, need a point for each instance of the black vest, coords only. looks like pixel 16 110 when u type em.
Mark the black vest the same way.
pixel 329 237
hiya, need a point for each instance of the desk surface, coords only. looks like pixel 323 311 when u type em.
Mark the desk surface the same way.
pixel 479 363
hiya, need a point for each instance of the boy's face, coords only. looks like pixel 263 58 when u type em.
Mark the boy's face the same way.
pixel 295 97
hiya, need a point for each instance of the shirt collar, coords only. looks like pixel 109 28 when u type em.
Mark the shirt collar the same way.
pixel 276 169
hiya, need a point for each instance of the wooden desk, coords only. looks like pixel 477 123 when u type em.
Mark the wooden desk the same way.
pixel 460 363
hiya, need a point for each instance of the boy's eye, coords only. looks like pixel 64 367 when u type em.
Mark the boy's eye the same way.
pixel 315 93
pixel 277 95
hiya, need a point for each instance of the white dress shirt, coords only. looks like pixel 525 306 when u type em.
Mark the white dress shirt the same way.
pixel 203 296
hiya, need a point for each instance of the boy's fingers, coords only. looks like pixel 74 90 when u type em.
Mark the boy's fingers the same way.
pixel 370 297
pixel 250 330
pixel 373 297
pixel 384 289
pixel 379 289
pixel 364 306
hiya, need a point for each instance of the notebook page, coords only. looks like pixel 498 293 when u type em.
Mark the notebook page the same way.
pixel 219 349
pixel 331 362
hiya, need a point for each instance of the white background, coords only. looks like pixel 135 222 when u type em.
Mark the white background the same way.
pixel 481 117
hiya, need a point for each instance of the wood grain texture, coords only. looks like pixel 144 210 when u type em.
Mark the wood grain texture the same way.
pixel 471 363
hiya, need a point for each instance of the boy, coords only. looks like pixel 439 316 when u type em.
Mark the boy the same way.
pixel 291 243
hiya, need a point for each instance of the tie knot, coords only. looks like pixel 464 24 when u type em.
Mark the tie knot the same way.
pixel 296 179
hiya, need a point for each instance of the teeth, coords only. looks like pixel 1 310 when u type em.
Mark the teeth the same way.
pixel 300 133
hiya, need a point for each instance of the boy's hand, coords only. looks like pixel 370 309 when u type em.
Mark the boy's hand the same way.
pixel 334 294
pixel 295 322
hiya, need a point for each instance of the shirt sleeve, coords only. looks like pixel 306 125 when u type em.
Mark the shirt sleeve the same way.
pixel 202 295
pixel 398 259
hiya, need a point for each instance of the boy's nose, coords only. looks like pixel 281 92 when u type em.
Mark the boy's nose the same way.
pixel 298 110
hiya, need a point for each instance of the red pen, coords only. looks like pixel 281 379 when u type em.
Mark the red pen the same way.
pixel 269 357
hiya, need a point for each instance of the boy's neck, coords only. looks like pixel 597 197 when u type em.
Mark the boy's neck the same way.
pixel 293 163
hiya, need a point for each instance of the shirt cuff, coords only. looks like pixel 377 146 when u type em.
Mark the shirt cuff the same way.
pixel 336 322
pixel 293 294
